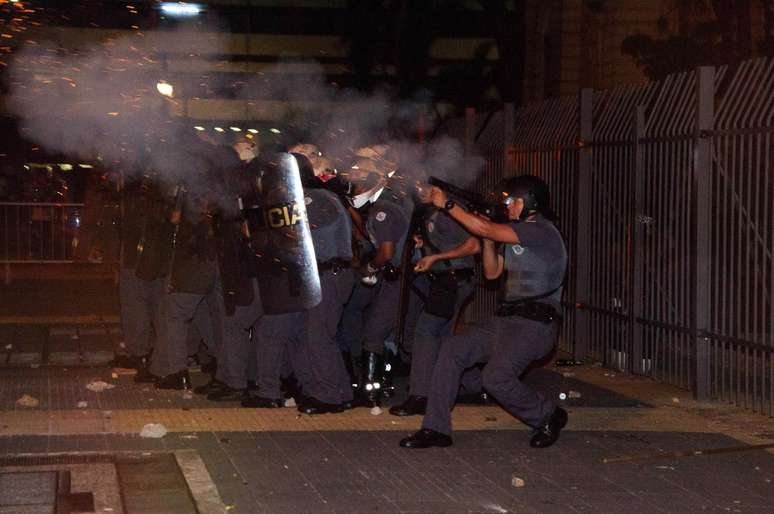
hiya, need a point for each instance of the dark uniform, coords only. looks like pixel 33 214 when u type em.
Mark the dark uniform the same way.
pixel 237 272
pixel 444 289
pixel 518 335
pixel 193 280
pixel 144 232
pixel 308 338
pixel 371 313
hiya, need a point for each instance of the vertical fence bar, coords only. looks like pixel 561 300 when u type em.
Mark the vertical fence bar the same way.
pixel 583 230
pixel 639 220
pixel 701 207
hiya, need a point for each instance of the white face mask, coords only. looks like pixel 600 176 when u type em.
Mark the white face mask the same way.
pixel 246 151
pixel 360 200
pixel 369 196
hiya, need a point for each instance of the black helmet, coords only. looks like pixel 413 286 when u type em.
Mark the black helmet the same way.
pixel 532 190
pixel 306 170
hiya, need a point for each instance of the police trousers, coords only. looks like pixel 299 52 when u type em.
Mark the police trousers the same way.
pixel 370 315
pixel 507 345
pixel 234 352
pixel 308 340
pixel 140 311
pixel 178 311
pixel 427 336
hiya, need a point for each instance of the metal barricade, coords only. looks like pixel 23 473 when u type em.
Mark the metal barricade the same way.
pixel 39 232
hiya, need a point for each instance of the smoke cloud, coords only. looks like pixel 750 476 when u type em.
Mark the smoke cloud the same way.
pixel 102 102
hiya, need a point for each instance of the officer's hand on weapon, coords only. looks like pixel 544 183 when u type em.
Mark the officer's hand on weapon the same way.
pixel 425 263
pixel 438 197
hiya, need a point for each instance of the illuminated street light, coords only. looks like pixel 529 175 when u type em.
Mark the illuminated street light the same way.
pixel 199 128
pixel 164 88
pixel 218 129
pixel 275 131
pixel 236 129
pixel 180 9
pixel 252 131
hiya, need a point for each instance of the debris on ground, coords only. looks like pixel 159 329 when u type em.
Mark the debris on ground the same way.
pixel 573 394
pixel 187 395
pixel 189 436
pixel 98 386
pixel 82 404
pixel 490 418
pixel 35 365
pixel 27 401
pixel 568 374
pixel 675 400
pixel 562 396
pixel 153 430
pixel 290 402
pixel 114 375
pixel 8 346
pixel 517 482
pixel 376 410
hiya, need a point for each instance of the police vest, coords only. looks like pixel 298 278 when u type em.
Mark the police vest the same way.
pixel 534 271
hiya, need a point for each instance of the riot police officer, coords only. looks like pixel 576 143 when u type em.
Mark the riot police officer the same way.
pixel 237 273
pixel 532 260
pixel 446 282
pixel 307 339
pixel 370 315
pixel 144 256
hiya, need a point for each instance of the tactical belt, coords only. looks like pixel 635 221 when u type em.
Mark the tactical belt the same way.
pixel 534 311
pixel 334 265
pixel 459 274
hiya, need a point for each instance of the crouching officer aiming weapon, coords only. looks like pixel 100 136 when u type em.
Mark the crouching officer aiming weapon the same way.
pixel 529 255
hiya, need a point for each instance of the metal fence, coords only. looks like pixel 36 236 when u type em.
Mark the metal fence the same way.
pixel 39 232
pixel 665 193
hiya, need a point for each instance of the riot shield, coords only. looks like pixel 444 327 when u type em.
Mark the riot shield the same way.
pixel 281 239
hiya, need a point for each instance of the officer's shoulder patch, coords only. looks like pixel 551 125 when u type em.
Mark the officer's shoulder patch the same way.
pixel 517 249
pixel 307 200
pixel 381 216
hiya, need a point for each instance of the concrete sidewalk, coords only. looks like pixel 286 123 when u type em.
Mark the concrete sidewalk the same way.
pixel 280 461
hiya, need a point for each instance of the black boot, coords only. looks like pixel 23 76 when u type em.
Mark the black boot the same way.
pixel 370 390
pixel 347 356
pixel 209 387
pixel 180 381
pixel 388 388
pixel 144 376
pixel 426 438
pixel 227 394
pixel 128 361
pixel 415 405
pixel 259 402
pixel 548 432
pixel 315 406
